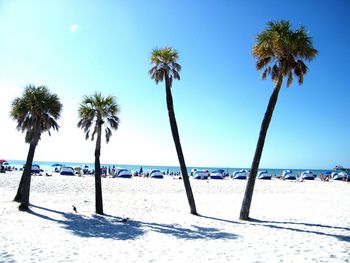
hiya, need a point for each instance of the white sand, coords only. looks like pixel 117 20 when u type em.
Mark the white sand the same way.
pixel 295 222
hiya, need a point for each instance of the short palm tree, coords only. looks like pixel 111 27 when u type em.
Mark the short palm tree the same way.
pixel 94 112
pixel 280 52
pixel 35 112
pixel 166 68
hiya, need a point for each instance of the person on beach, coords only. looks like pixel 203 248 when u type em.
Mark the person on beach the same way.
pixel 322 177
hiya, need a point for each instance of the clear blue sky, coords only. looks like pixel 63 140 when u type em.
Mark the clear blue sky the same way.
pixel 78 47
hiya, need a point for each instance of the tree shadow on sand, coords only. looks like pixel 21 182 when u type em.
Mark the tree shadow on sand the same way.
pixel 221 219
pixel 95 226
pixel 304 227
pixel 195 232
pixel 113 227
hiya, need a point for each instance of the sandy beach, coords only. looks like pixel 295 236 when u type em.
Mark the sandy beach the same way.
pixel 294 221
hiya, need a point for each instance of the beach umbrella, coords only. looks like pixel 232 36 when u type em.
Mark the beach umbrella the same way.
pixel 141 170
pixel 3 161
pixel 328 172
pixel 56 164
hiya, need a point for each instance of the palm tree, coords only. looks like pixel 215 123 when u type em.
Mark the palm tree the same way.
pixel 280 52
pixel 166 68
pixel 35 112
pixel 94 111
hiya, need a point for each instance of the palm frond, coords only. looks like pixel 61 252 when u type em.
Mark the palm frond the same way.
pixel 176 74
pixel 290 78
pixel 275 72
pixel 113 121
pixel 265 72
pixel 108 133
pixel 263 62
pixel 176 66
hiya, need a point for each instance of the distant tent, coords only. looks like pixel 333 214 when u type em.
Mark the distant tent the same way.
pixel 156 174
pixel 67 171
pixel 35 168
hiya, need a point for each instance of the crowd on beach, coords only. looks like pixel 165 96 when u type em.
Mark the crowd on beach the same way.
pixel 108 171
pixel 4 168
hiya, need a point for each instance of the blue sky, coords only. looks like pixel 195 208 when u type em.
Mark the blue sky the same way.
pixel 78 47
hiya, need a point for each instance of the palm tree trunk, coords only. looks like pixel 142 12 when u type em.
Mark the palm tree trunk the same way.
pixel 98 184
pixel 176 138
pixel 24 185
pixel 248 195
pixel 18 196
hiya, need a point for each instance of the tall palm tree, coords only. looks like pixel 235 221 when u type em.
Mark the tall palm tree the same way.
pixel 35 112
pixel 166 68
pixel 94 112
pixel 280 52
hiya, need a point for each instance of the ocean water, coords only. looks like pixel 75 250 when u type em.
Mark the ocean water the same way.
pixel 47 166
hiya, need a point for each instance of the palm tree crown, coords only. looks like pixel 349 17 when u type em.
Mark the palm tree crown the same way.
pixel 164 64
pixel 94 110
pixel 36 112
pixel 280 51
